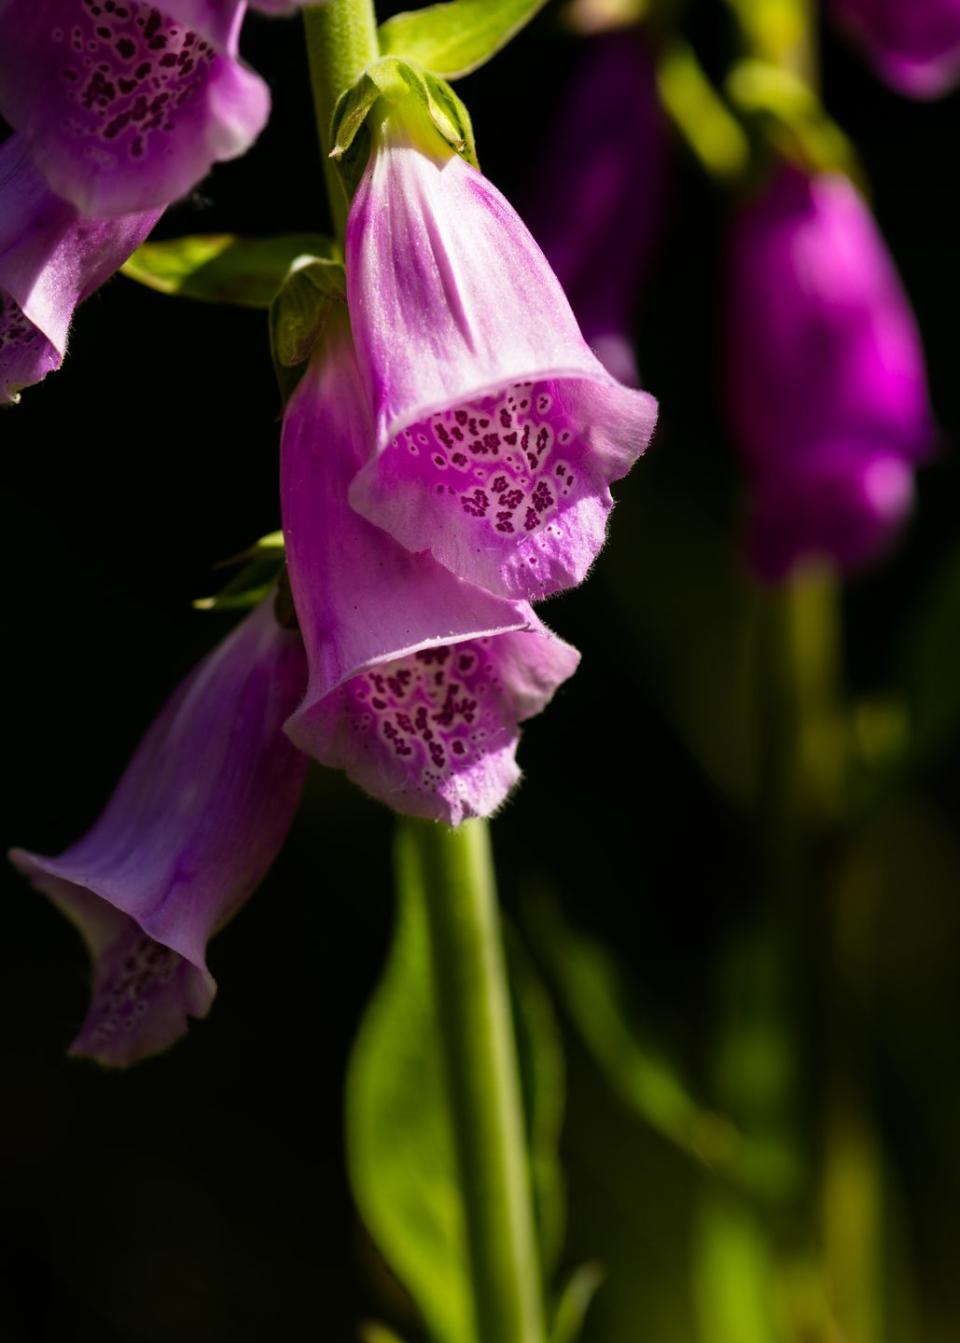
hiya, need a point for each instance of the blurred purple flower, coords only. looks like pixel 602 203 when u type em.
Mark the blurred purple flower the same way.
pixel 497 430
pixel 609 147
pixel 125 106
pixel 417 680
pixel 826 381
pixel 51 258
pixel 914 45
pixel 190 831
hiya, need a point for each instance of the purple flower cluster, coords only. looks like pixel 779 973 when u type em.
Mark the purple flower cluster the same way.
pixel 914 45
pixel 446 460
pixel 117 107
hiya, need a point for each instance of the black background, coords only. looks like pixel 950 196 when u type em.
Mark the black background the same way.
pixel 202 1196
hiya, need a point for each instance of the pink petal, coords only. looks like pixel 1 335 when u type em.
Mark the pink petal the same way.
pixel 125 110
pixel 458 319
pixel 190 831
pixel 417 679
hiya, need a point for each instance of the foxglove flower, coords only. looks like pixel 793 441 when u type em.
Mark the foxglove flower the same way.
pixel 190 831
pixel 826 380
pixel 51 257
pixel 125 106
pixel 914 45
pixel 609 146
pixel 417 680
pixel 496 429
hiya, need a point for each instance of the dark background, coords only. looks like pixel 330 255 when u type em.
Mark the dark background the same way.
pixel 202 1195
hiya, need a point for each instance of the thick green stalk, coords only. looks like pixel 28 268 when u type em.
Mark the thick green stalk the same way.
pixel 482 1079
pixel 341 43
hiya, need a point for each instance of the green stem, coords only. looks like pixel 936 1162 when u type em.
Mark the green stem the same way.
pixel 482 1078
pixel 341 43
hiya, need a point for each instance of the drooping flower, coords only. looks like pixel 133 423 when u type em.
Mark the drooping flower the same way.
pixel 826 381
pixel 609 148
pixel 188 834
pixel 914 45
pixel 51 258
pixel 418 681
pixel 124 105
pixel 497 430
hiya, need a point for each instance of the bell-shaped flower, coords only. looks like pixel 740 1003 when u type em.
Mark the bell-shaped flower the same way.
pixel 191 829
pixel 418 681
pixel 497 431
pixel 126 105
pixel 609 147
pixel 914 45
pixel 826 383
pixel 51 258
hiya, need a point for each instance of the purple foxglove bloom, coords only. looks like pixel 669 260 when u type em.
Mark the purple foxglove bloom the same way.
pixel 50 258
pixel 190 831
pixel 609 146
pixel 123 106
pixel 914 45
pixel 826 381
pixel 497 430
pixel 417 680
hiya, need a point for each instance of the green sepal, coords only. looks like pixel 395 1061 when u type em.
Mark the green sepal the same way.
pixel 456 38
pixel 573 1303
pixel 222 268
pixel 313 287
pixel 261 566
pixel 415 93
pixel 792 118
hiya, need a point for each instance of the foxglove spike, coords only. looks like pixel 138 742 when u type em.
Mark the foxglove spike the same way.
pixel 190 831
pixel 914 45
pixel 50 259
pixel 826 381
pixel 417 680
pixel 609 146
pixel 123 107
pixel 497 430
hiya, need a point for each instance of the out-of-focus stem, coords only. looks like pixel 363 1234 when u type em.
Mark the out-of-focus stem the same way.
pixel 482 1078
pixel 341 43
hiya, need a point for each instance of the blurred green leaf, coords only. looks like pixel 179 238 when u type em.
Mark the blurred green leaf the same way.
pixel 733 1274
pixel 260 568
pixel 222 268
pixel 378 1333
pixel 793 116
pixel 400 1147
pixel 636 1068
pixel 574 1302
pixel 455 38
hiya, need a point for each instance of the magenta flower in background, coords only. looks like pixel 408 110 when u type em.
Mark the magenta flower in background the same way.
pixel 609 147
pixel 124 107
pixel 497 431
pixel 914 45
pixel 51 258
pixel 190 831
pixel 418 681
pixel 826 382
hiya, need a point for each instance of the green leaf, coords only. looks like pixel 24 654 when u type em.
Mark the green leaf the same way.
pixel 399 1145
pixel 399 1142
pixel 574 1302
pixel 454 39
pixel 637 1069
pixel 222 268
pixel 311 289
pixel 261 567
